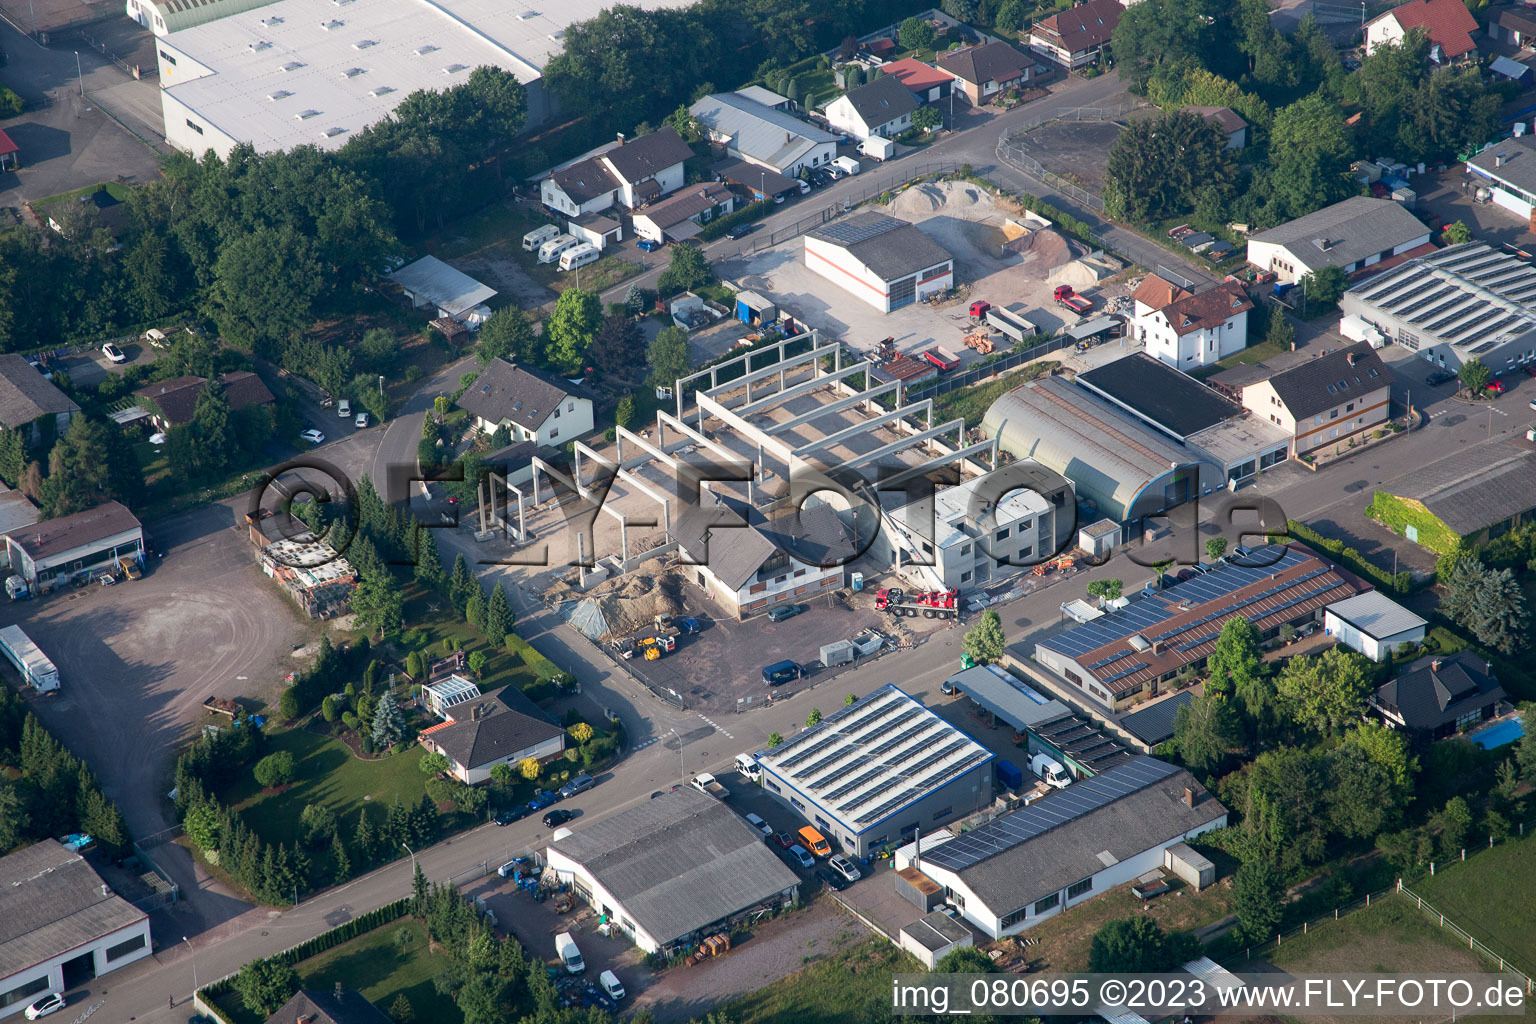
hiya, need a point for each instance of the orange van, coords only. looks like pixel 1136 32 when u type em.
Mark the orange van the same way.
pixel 815 842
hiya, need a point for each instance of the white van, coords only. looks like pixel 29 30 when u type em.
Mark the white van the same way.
pixel 570 956
pixel 612 985
pixel 847 164
pixel 747 765
pixel 1050 771
pixel 550 249
pixel 579 256
pixel 538 236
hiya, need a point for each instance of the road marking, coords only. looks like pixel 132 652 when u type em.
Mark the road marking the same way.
pixel 642 746
pixel 717 726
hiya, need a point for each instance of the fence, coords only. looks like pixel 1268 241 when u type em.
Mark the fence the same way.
pixel 1011 151
pixel 977 374
pixel 871 189
pixel 1472 943
pixel 166 891
pixel 101 48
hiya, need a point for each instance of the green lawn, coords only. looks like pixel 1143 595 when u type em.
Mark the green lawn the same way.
pixel 972 403
pixel 1255 353
pixel 524 666
pixel 853 985
pixel 1486 896
pixel 327 774
pixel 380 966
pixel 1389 936
pixel 114 189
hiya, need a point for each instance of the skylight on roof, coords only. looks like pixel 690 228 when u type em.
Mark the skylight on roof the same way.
pixel 363 44
pixel 354 72
pixel 305 115
pixel 331 133
pixel 525 15
pixel 334 23
pixel 281 94
pixel 260 44
pixel 383 90
pixel 293 65
pixel 272 21
pixel 453 69
pixel 422 51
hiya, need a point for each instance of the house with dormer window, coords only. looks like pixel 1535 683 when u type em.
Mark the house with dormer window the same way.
pixel 1326 401
pixel 534 405
pixel 630 174
pixel 1188 330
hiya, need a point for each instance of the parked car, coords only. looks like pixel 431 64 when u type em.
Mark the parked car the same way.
pixel 845 867
pixel 832 879
pixel 805 187
pixel 511 814
pixel 115 354
pixel 313 436
pixel 760 825
pixel 1496 386
pixel 800 855
pixel 784 839
pixel 42 1007
pixel 1530 371
pixel 740 231
pixel 361 421
pixel 542 799
pixel 579 784
pixel 785 611
pixel 343 408
pixel 948 688
pixel 648 245
pixel 1439 377
pixel 558 816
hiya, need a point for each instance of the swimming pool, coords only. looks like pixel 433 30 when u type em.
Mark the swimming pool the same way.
pixel 1504 733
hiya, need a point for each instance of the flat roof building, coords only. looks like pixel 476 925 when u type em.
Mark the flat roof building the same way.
pixel 60 925
pixel 1073 844
pixel 880 260
pixel 1120 657
pixel 432 283
pixel 1463 302
pixel 874 772
pixel 1373 624
pixel 672 870
pixel 55 551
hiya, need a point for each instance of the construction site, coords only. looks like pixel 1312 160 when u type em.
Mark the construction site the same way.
pixel 309 570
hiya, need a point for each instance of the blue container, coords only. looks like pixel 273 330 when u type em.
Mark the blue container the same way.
pixel 1281 288
pixel 1008 774
pixel 858 580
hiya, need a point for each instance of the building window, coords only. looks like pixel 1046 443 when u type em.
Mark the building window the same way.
pixel 771 784
pixel 1076 889
pixel 903 292
pixel 940 815
pixel 1002 534
pixel 554 433
pixel 1015 917
pixel 757 588
pixel 1317 420
pixel 965 577
pixel 1350 407
pixel 26 991
pixel 799 573
pixel 1333 414
pixel 1467 718
pixel 1053 900
pixel 965 549
pixel 194 127
pixel 168 58
pixel 557 413
pixel 122 949
pixel 1026 550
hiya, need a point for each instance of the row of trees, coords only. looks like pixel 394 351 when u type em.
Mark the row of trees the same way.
pixel 52 792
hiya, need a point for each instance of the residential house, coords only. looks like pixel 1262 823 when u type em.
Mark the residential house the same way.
pixel 30 403
pixel 536 406
pixel 102 209
pixel 925 82
pixel 343 1006
pixel 1325 401
pixel 1355 233
pixel 1228 120
pixel 1508 168
pixel 987 70
pixel 1439 696
pixel 1187 330
pixel 1447 23
pixel 505 728
pixel 10 153
pixel 629 174
pixel 171 402
pixel 881 108
pixel 748 562
pixel 764 135
pixel 57 551
pixel 1514 26
pixel 682 215
pixel 1076 37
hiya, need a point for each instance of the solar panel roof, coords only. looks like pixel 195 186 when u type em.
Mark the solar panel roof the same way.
pixel 852 232
pixel 1080 798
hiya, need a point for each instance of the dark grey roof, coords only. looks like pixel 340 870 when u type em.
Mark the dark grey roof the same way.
pixel 586 179
pixel 1154 724
pixel 936 932
pixel 1240 376
pixel 1434 690
pixel 1346 232
pixel 992 62
pixel 1320 384
pixel 1519 167
pixel 1517 20
pixel 753 176
pixel 649 154
pixel 1482 486
pixel 52 901
pixel 718 537
pixel 1085 844
pixel 678 863
pixel 514 456
pixel 26 395
pixel 522 394
pixel 1157 392
pixel 882 101
pixel 687 203
pixel 508 723
pixel 890 248
pixel 56 536
pixel 345 1007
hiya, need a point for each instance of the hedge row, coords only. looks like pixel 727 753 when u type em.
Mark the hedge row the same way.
pixel 1351 559
pixel 720 225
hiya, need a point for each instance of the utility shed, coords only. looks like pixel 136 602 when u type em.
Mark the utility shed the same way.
pixel 1195 868
pixel 1373 624
pixel 431 282
pixel 935 935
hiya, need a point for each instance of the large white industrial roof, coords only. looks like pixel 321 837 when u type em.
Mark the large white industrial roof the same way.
pixel 345 64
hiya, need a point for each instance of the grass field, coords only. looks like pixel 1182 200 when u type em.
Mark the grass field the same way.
pixel 523 666
pixel 855 985
pixel 1477 895
pixel 114 189
pixel 327 773
pixel 380 966
pixel 1065 940
pixel 971 403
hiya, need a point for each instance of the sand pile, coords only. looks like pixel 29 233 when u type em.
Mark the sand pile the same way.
pixel 956 198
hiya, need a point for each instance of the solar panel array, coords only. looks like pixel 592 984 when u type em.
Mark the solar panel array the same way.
pixel 1469 295
pixel 1081 798
pixel 874 756
pixel 1141 616
pixel 859 229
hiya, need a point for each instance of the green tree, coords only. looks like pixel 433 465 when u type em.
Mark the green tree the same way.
pixel 401 1011
pixel 1105 590
pixel 624 413
pixel 850 700
pixel 1215 547
pixel 477 662
pixel 1389 749
pixel 1457 233
pixel 461 584
pixel 507 335
pixel 1525 749
pixel 1454 823
pixel 202 826
pixel 13 457
pixel 265 984
pixel 689 269
pixel 1258 900
pixel 1325 692
pixel 668 357
pixel 984 642
pixel 1206 732
pixel 1156 167
pixel 965 960
pixel 813 718
pixel 433 764
pixel 1324 287
pixel 1475 375
pixel 499 619
pixel 926 118
pixel 341 863
pixel 501 774
pixel 1236 660
pixel 1137 945
pixel 388 722
pixel 1312 148
pixel 1280 333
pixel 474 608
pixel 915 34
pixel 87 466
pixel 318 822
pixel 1166 33
pixel 328 708
pixel 429 563
pixel 775 739
pixel 1488 602
pixel 275 769
pixel 265 285
pixel 571 327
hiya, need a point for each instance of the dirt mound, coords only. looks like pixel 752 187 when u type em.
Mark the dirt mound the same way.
pixel 1043 248
pixel 956 198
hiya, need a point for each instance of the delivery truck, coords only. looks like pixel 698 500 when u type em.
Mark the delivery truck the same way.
pixel 36 669
pixel 1069 299
pixel 570 956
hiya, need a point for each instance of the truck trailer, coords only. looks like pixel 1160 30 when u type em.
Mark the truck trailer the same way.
pixel 35 668
pixel 1011 324
pixel 942 357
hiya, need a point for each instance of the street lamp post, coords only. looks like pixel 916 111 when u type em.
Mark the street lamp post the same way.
pixel 413 859
pixel 193 951
pixel 80 74
pixel 381 383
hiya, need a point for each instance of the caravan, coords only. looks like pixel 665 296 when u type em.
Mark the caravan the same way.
pixel 550 250
pixel 579 256
pixel 538 236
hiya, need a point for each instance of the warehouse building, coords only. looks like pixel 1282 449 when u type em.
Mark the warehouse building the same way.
pixel 56 551
pixel 876 771
pixel 763 135
pixel 1356 233
pixel 880 260
pixel 1010 874
pixel 1122 657
pixel 1049 726
pixel 1480 495
pixel 60 925
pixel 672 870
pixel 166 16
pixel 1120 463
pixel 1463 302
